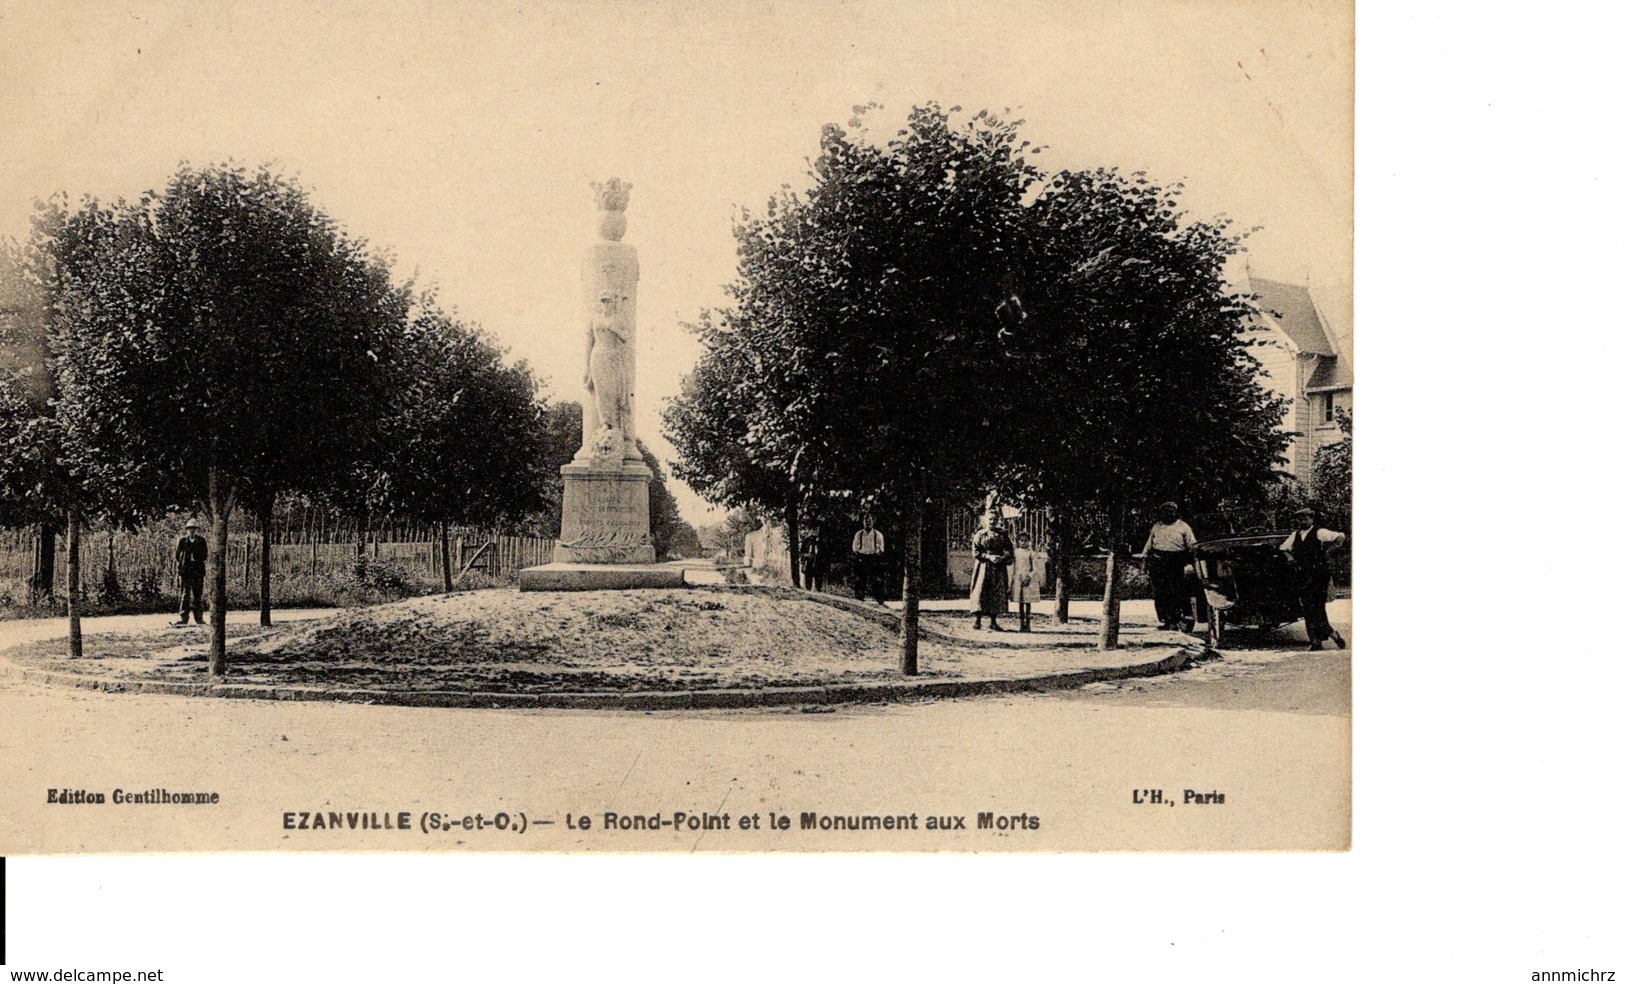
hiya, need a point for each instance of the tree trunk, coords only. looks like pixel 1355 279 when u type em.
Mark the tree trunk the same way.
pixel 221 497
pixel 792 532
pixel 445 556
pixel 913 533
pixel 43 583
pixel 264 511
pixel 1061 559
pixel 1110 604
pixel 76 637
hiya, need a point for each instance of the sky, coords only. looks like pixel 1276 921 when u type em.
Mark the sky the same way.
pixel 461 138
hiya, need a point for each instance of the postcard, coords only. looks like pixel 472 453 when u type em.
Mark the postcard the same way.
pixel 686 427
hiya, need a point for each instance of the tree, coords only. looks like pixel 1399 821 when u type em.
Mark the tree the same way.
pixel 227 338
pixel 733 449
pixel 330 466
pixel 665 525
pixel 562 425
pixel 1333 476
pixel 465 439
pixel 50 473
pixel 935 316
pixel 685 541
pixel 1141 384
pixel 864 320
pixel 31 478
pixel 735 526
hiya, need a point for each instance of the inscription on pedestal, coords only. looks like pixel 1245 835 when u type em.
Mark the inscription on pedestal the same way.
pixel 606 518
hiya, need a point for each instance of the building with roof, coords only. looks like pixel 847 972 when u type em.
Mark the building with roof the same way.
pixel 1306 351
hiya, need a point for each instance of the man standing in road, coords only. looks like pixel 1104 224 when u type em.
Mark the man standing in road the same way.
pixel 868 548
pixel 1167 552
pixel 1307 548
pixel 191 557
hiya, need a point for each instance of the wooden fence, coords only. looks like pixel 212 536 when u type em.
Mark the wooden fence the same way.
pixel 308 550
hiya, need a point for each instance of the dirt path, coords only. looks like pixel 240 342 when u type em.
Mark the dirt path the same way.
pixel 1268 727
pixel 1073 762
pixel 16 631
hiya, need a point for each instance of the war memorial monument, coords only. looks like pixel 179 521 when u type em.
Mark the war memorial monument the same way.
pixel 604 527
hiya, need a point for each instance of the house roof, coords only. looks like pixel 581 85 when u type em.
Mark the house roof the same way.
pixel 1331 374
pixel 1291 308
pixel 1335 304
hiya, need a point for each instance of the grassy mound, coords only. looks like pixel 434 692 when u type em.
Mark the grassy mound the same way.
pixel 503 641
pixel 589 640
pixel 506 641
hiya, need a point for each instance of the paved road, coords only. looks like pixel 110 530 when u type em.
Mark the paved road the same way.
pixel 1267 727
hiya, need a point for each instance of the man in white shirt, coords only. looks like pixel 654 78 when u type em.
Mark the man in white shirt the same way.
pixel 868 548
pixel 1167 552
pixel 1307 548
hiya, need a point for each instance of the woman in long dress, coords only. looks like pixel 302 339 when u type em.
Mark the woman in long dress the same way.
pixel 606 367
pixel 990 584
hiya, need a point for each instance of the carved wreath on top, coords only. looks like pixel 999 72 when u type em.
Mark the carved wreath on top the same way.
pixel 612 195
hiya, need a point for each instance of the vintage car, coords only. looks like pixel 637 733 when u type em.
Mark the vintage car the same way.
pixel 1248 582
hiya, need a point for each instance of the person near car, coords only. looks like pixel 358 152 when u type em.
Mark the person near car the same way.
pixel 1307 549
pixel 1167 555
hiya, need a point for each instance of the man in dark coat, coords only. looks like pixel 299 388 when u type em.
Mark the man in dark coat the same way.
pixel 191 557
pixel 812 560
pixel 1306 548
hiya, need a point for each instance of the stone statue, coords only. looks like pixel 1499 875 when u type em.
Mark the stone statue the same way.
pixel 608 351
pixel 610 280
pixel 604 517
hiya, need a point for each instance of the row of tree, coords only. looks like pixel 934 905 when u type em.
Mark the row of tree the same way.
pixel 223 343
pixel 936 316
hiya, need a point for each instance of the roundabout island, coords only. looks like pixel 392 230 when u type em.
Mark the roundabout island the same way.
pixel 696 647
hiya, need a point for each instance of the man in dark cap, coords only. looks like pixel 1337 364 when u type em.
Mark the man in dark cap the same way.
pixel 191 557
pixel 1167 552
pixel 1307 548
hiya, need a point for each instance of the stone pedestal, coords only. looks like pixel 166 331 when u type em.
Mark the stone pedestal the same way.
pixel 599 577
pixel 604 534
pixel 605 518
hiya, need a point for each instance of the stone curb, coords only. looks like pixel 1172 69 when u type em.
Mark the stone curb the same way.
pixel 854 693
pixel 887 617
